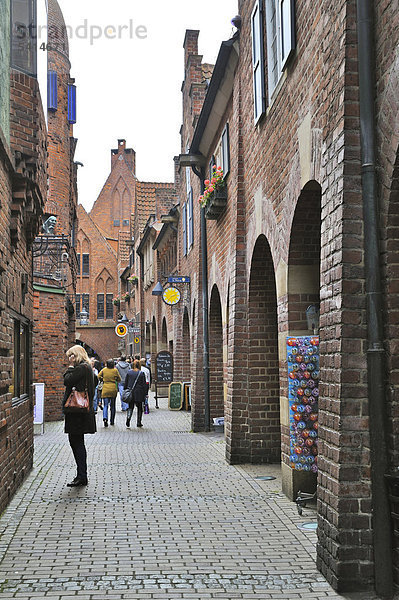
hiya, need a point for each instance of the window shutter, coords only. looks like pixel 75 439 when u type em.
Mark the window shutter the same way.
pixel 287 30
pixel 184 229
pixel 258 60
pixel 72 103
pixel 190 220
pixel 226 150
pixel 100 306
pixel 52 92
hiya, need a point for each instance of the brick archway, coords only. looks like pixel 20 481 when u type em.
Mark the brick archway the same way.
pixel 216 386
pixel 186 362
pixel 263 430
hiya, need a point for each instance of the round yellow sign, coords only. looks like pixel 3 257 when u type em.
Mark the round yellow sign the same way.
pixel 137 340
pixel 121 330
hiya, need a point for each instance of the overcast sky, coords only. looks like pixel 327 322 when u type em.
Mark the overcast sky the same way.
pixel 128 85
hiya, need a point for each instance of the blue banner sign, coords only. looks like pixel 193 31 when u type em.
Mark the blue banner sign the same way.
pixel 179 279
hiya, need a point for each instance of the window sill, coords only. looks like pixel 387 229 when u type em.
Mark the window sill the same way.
pixel 18 401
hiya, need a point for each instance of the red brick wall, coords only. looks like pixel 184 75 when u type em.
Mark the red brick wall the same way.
pixel 22 192
pixel 52 339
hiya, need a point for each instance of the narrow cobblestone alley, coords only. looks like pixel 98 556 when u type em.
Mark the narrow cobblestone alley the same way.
pixel 163 517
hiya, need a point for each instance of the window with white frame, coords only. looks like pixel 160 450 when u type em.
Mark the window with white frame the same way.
pixel 221 157
pixel 280 34
pixel 148 264
pixel 258 62
pixel 184 228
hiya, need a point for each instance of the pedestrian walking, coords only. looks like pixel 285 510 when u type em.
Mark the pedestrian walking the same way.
pixel 79 376
pixel 110 378
pixel 147 374
pixel 93 363
pixel 123 367
pixel 135 382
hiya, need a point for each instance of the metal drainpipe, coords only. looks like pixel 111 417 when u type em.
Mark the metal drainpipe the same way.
pixel 375 351
pixel 205 300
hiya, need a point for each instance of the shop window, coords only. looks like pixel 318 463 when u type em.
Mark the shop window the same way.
pixel 109 307
pixel 77 305
pixel 100 306
pixel 280 31
pixel 20 375
pixel 23 36
pixel 85 265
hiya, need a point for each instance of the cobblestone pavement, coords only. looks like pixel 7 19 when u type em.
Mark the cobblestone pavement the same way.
pixel 163 517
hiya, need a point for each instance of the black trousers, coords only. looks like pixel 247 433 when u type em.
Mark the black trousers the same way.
pixel 139 411
pixel 77 443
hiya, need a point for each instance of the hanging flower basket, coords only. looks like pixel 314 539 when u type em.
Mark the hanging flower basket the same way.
pixel 116 301
pixel 216 204
pixel 214 198
pixel 133 279
pixel 126 296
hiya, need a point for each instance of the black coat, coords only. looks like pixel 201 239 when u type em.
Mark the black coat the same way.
pixel 140 389
pixel 80 377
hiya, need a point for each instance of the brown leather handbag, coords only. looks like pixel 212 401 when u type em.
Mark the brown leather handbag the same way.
pixel 77 402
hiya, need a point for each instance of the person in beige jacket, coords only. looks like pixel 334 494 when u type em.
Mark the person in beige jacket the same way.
pixel 110 376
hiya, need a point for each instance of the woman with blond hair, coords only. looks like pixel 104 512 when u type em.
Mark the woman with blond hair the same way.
pixel 79 376
pixel 110 377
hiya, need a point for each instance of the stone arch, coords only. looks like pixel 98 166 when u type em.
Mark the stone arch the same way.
pixel 304 258
pixel 216 381
pixel 263 432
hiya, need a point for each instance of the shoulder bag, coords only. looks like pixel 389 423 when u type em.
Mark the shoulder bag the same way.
pixel 126 394
pixel 77 402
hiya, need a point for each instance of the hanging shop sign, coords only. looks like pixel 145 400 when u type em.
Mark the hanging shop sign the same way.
pixel 121 330
pixel 178 279
pixel 303 394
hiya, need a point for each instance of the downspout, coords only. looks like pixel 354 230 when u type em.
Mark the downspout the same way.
pixel 375 351
pixel 205 300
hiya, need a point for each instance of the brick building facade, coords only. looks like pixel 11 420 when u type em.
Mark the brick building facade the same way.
pixel 281 115
pixel 105 258
pixel 54 249
pixel 23 180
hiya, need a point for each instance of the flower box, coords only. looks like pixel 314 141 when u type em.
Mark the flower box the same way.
pixel 216 204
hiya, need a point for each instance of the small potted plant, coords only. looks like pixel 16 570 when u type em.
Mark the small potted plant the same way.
pixel 214 198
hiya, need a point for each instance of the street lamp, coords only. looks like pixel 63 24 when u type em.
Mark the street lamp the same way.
pixel 158 289
pixel 84 317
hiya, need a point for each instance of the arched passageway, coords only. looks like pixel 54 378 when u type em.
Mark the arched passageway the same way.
pixel 186 355
pixel 263 367
pixel 216 387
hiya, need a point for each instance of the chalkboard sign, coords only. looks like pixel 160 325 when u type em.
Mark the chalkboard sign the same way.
pixel 175 395
pixel 164 367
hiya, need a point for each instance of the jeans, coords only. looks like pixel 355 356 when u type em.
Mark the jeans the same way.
pixel 77 443
pixel 112 403
pixel 124 405
pixel 95 400
pixel 139 412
